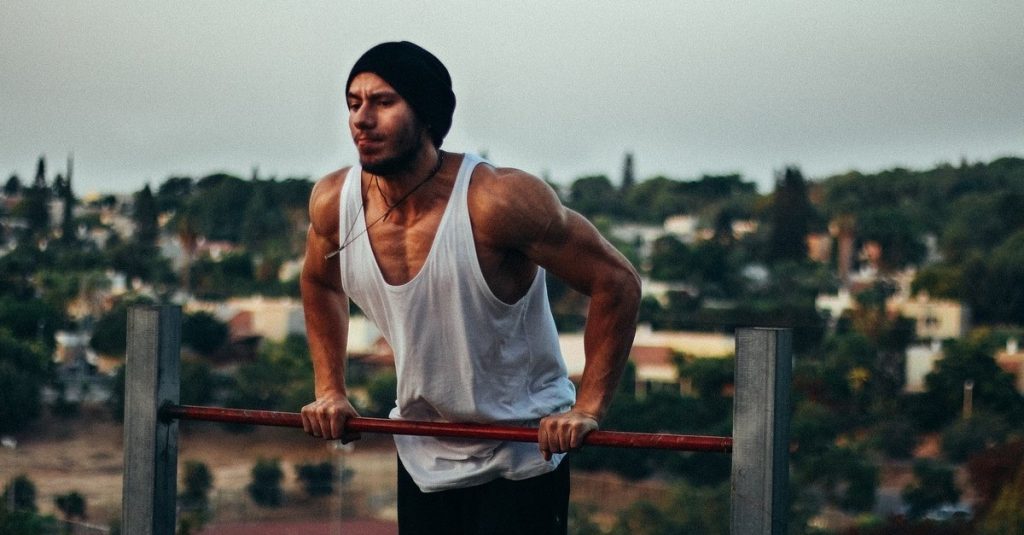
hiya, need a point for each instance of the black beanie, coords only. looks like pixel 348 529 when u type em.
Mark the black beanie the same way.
pixel 418 76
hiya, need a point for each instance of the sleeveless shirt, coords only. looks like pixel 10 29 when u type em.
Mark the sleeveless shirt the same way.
pixel 461 353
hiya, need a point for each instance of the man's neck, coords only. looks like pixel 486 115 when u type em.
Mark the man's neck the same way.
pixel 401 189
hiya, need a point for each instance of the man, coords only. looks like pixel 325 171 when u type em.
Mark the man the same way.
pixel 447 255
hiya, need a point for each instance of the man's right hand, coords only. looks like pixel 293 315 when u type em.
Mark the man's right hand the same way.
pixel 325 418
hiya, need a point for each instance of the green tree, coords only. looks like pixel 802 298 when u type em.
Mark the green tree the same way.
pixel 203 332
pixel 318 478
pixel 792 217
pixel 968 360
pixel 265 487
pixel 281 377
pixel 173 193
pixel 382 393
pixel 896 232
pixel 691 509
pixel 33 321
pixel 595 195
pixel 34 206
pixel 198 481
pixel 24 370
pixel 20 494
pixel 13 186
pixel 264 221
pixel 934 487
pixel 110 332
pixel 671 260
pixel 71 504
pixel 147 229
pixel 967 436
pixel 218 203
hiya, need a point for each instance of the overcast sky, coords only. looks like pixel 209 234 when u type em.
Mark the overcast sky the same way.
pixel 140 91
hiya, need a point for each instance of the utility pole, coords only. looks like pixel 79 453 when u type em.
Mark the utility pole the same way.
pixel 968 398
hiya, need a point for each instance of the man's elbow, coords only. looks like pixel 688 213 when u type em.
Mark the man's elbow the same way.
pixel 625 286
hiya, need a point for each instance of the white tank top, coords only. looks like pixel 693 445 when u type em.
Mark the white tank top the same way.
pixel 461 354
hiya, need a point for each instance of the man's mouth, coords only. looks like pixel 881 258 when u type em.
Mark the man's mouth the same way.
pixel 368 142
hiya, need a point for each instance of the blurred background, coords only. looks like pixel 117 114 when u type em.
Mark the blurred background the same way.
pixel 853 172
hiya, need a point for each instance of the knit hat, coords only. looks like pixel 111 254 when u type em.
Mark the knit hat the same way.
pixel 418 76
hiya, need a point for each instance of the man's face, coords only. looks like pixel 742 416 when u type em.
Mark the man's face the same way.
pixel 384 128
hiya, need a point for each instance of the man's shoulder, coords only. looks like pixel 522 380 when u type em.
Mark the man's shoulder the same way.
pixel 324 199
pixel 505 183
pixel 330 184
pixel 510 203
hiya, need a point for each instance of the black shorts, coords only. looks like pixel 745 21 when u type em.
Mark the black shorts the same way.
pixel 534 506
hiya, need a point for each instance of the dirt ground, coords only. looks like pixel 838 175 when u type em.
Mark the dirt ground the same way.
pixel 85 454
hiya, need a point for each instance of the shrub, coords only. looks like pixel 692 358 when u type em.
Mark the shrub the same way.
pixel 265 488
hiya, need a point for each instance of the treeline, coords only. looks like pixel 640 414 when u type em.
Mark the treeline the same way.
pixel 961 226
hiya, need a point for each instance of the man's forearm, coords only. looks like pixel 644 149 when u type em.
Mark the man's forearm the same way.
pixel 326 314
pixel 607 340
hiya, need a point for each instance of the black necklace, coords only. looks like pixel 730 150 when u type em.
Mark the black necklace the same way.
pixel 362 208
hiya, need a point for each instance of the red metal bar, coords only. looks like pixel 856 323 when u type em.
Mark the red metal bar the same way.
pixel 662 441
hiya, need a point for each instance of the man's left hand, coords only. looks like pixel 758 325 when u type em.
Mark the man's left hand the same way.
pixel 560 433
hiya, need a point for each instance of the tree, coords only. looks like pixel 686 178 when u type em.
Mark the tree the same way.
pixel 110 333
pixel 382 393
pixel 318 478
pixel 219 203
pixel 24 370
pixel 281 377
pixel 13 186
pixel 265 488
pixel 791 217
pixel 595 195
pixel 34 206
pixel 969 360
pixel 690 510
pixel 198 480
pixel 203 332
pixel 934 487
pixel 20 494
pixel 173 193
pixel 263 221
pixel 147 229
pixel 967 436
pixel 71 504
pixel 67 196
pixel 671 260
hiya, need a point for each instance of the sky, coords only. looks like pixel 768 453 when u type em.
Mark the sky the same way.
pixel 141 91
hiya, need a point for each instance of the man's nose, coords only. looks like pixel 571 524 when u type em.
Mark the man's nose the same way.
pixel 363 117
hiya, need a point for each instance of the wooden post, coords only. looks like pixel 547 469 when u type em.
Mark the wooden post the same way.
pixel 151 445
pixel 761 410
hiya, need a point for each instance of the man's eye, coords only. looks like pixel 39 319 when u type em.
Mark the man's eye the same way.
pixel 353 106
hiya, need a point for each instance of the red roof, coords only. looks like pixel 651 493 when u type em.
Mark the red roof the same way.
pixel 651 356
pixel 318 527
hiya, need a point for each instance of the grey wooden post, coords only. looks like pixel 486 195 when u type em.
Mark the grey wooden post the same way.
pixel 150 445
pixel 760 454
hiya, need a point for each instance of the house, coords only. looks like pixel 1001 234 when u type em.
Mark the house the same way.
pixel 920 361
pixel 653 353
pixel 934 319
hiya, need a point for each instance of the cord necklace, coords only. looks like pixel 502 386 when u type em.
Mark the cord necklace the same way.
pixel 391 207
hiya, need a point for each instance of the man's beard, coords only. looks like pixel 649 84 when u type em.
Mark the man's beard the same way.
pixel 408 146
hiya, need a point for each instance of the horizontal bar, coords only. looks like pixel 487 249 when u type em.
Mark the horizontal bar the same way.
pixel 617 439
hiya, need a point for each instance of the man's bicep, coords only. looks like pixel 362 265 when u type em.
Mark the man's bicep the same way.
pixel 572 249
pixel 317 268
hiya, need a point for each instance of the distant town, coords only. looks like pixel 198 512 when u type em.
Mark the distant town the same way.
pixel 904 290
